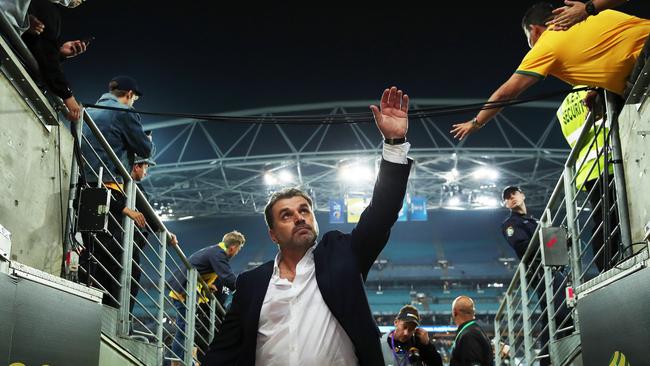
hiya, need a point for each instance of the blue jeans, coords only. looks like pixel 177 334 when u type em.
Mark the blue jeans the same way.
pixel 179 339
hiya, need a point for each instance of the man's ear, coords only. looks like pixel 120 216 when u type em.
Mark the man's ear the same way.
pixel 273 237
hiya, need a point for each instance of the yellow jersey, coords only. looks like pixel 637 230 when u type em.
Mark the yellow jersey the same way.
pixel 600 51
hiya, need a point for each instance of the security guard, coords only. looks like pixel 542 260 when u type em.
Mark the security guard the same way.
pixel 590 169
pixel 519 227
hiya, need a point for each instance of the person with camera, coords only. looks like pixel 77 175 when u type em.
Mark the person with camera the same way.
pixel 407 344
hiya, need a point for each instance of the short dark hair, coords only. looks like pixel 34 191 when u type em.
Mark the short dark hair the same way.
pixel 280 195
pixel 538 14
pixel 112 88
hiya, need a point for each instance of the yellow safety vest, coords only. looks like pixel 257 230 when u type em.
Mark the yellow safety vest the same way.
pixel 572 116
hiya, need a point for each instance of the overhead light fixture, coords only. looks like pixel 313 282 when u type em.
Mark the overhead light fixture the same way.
pixel 356 172
pixel 487 201
pixel 452 175
pixel 269 179
pixel 285 176
pixel 454 201
pixel 486 173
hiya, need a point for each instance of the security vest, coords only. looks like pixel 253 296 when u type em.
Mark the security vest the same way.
pixel 572 116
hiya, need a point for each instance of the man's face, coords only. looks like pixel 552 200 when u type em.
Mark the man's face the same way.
pixel 233 250
pixel 139 172
pixel 294 224
pixel 404 330
pixel 515 199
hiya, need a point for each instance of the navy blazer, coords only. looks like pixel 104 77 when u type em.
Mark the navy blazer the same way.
pixel 342 262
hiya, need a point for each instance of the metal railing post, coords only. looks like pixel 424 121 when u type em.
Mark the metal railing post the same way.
pixel 74 181
pixel 572 226
pixel 127 258
pixel 497 340
pixel 525 311
pixel 511 327
pixel 213 317
pixel 190 314
pixel 550 308
pixel 619 177
pixel 162 236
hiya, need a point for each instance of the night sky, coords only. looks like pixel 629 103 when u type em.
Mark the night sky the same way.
pixel 200 57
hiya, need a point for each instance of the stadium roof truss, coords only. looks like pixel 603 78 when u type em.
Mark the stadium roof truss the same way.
pixel 216 169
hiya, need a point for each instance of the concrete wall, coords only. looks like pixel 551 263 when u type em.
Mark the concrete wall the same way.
pixel 635 140
pixel 30 181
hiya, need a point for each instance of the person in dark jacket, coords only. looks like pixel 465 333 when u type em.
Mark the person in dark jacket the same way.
pixel 49 50
pixel 124 133
pixel 471 346
pixel 519 227
pixel 309 305
pixel 141 236
pixel 212 264
pixel 518 230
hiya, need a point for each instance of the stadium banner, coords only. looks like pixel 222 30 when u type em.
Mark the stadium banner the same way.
pixel 418 208
pixel 336 211
pixel 355 206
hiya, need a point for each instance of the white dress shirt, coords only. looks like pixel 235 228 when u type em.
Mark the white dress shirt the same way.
pixel 296 327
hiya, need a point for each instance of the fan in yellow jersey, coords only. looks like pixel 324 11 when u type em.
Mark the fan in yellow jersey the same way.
pixel 600 52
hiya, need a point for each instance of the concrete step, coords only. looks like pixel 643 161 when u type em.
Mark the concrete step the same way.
pixel 137 346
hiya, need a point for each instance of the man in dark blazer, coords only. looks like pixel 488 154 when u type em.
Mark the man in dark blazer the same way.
pixel 309 306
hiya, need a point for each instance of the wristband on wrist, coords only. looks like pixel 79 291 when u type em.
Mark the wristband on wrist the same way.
pixel 476 124
pixel 397 141
pixel 590 8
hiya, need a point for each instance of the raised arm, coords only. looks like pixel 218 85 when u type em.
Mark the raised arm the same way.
pixel 371 233
pixel 516 85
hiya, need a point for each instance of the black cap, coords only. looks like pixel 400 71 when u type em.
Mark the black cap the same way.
pixel 139 160
pixel 127 83
pixel 510 190
pixel 409 313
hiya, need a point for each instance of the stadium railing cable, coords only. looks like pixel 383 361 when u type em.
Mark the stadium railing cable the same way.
pixel 345 118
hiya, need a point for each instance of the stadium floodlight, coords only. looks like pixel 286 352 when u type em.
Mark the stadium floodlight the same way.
pixel 269 179
pixel 452 175
pixel 285 176
pixel 486 173
pixel 454 201
pixel 486 201
pixel 355 173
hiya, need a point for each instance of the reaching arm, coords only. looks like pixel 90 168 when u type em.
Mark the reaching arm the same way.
pixel 575 12
pixel 517 84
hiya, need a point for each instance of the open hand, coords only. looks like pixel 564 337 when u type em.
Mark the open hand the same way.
pixel 392 116
pixel 462 130
pixel 567 16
